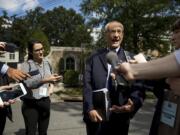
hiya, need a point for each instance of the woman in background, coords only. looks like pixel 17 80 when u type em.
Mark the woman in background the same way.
pixel 36 105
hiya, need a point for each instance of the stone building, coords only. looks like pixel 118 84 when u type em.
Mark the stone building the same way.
pixel 65 58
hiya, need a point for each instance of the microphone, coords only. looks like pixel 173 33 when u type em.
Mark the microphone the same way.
pixel 113 60
pixel 10 47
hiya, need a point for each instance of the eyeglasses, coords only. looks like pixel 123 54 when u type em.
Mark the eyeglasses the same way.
pixel 38 50
pixel 115 30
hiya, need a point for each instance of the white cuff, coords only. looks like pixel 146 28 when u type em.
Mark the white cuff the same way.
pixel 4 69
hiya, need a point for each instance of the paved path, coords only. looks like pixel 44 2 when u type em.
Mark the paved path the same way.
pixel 66 119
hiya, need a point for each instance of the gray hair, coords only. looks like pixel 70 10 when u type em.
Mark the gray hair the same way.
pixel 116 22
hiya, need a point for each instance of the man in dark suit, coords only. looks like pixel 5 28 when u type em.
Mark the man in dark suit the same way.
pixel 97 76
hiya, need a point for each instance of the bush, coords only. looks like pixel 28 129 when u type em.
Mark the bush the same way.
pixel 71 78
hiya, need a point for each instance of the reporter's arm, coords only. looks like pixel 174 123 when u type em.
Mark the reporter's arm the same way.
pixel 163 67
pixel 155 69
pixel 16 74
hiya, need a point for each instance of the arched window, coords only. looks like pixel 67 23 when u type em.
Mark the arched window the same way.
pixel 61 66
pixel 70 63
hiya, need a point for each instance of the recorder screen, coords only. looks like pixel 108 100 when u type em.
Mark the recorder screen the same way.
pixel 11 94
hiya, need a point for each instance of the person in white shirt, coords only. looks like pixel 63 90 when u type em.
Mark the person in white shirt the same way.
pixel 36 104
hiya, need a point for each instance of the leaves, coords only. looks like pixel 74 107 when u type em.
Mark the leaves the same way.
pixel 147 23
pixel 57 27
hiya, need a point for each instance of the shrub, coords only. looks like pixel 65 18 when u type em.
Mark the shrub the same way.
pixel 71 78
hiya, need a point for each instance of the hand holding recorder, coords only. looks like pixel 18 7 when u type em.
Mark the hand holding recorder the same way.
pixel 54 78
pixel 9 94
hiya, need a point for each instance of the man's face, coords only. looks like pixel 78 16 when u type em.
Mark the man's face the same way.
pixel 114 35
pixel 175 39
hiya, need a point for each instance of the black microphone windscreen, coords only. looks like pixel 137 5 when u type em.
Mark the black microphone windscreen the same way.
pixel 112 59
pixel 11 47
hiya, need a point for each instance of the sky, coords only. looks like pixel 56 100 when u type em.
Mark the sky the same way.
pixel 19 7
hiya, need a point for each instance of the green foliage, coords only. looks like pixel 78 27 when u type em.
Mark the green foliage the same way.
pixel 147 23
pixel 40 36
pixel 65 27
pixel 71 78
pixel 62 27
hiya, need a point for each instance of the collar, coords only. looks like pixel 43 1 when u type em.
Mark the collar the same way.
pixel 117 49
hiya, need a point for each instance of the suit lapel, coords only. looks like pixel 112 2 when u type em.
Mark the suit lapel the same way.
pixel 121 55
pixel 103 59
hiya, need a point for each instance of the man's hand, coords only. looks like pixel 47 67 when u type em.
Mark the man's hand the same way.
pixel 2 47
pixel 5 87
pixel 174 84
pixel 94 116
pixel 16 74
pixel 129 107
pixel 7 103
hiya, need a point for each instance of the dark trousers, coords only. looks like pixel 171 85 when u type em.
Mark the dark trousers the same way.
pixel 94 128
pixel 3 113
pixel 36 114
pixel 117 125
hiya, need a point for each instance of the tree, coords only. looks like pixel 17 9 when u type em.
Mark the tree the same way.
pixel 5 29
pixel 65 27
pixel 61 26
pixel 22 28
pixel 147 23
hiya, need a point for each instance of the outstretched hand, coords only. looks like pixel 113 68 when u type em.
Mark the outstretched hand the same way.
pixel 53 78
pixel 5 87
pixel 128 107
pixel 17 75
pixel 2 104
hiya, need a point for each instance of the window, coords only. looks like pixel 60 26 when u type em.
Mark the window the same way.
pixel 70 64
pixel 11 56
pixel 61 65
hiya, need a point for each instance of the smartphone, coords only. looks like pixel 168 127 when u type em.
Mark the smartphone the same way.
pixel 18 90
pixel 10 47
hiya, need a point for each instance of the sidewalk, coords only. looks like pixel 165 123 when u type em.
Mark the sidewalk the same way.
pixel 66 119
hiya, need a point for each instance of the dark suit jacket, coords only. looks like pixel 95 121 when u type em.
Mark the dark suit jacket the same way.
pixel 158 89
pixel 95 76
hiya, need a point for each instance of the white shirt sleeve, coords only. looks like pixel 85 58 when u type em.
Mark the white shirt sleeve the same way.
pixel 4 69
pixel 177 55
